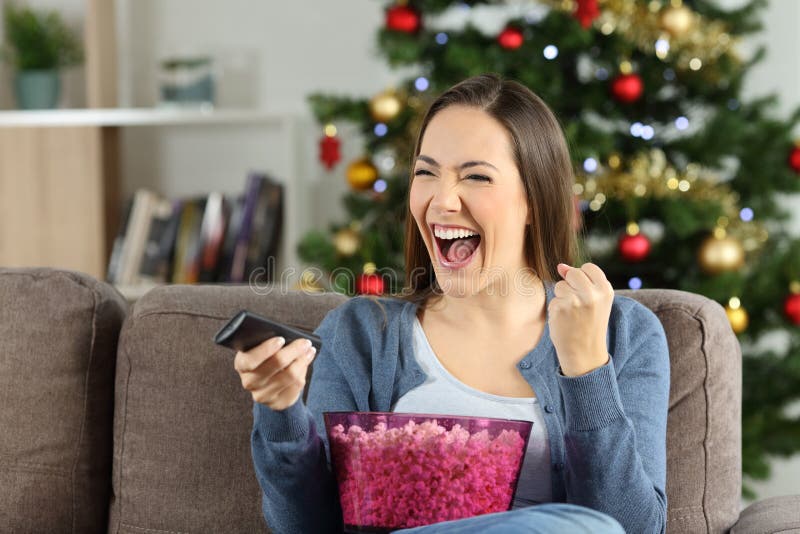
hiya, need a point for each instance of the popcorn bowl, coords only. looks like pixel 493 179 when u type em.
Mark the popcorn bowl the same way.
pixel 402 470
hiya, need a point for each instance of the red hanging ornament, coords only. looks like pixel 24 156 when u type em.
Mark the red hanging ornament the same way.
pixel 791 307
pixel 369 284
pixel 510 38
pixel 402 19
pixel 586 11
pixel 329 150
pixel 634 248
pixel 794 159
pixel 627 88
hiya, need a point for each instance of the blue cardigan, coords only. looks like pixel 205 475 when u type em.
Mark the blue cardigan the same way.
pixel 607 429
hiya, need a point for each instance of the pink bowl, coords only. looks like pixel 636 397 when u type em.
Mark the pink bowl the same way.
pixel 401 470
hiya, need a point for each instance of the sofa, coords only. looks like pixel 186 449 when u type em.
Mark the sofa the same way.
pixel 127 418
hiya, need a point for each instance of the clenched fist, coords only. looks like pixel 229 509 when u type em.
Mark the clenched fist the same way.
pixel 578 318
pixel 273 373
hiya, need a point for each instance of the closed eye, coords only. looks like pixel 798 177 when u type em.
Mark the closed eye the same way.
pixel 478 177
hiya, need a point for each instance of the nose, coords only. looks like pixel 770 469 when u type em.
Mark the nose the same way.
pixel 446 197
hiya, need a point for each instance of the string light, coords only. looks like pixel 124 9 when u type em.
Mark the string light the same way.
pixel 746 214
pixel 421 83
pixel 379 186
pixel 662 48
pixel 681 123
pixel 380 129
pixel 635 283
pixel 441 38
pixel 550 52
pixel 590 164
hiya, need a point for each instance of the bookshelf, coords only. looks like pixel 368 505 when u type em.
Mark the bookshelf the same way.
pixel 84 173
pixel 119 117
pixel 61 184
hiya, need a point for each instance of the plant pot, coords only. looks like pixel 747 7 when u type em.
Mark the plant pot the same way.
pixel 37 89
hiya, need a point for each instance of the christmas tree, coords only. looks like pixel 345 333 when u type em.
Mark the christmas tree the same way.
pixel 676 174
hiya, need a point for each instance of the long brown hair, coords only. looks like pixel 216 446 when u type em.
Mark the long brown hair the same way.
pixel 542 158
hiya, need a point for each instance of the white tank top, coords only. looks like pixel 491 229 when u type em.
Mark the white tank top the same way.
pixel 442 393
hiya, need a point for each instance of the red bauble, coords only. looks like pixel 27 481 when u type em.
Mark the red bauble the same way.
pixel 402 19
pixel 794 159
pixel 586 11
pixel 627 88
pixel 791 307
pixel 329 151
pixel 369 284
pixel 510 38
pixel 634 248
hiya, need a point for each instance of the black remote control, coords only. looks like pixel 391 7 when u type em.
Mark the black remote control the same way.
pixel 246 329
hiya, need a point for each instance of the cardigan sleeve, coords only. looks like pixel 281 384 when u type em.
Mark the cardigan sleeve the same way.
pixel 616 419
pixel 290 448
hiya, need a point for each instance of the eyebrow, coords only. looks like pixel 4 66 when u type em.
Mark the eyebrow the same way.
pixel 464 165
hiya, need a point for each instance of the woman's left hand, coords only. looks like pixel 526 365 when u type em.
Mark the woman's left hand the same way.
pixel 578 318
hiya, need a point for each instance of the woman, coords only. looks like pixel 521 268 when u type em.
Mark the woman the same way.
pixel 493 321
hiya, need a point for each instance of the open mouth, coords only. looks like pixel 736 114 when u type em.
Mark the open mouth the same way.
pixel 455 250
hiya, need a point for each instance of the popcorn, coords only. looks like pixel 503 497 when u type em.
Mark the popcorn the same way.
pixel 419 474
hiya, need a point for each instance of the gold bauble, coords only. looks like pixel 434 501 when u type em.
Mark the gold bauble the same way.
pixel 737 317
pixel 384 106
pixel 718 254
pixel 677 20
pixel 361 174
pixel 346 241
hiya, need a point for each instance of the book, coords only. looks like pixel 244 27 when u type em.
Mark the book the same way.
pixel 186 266
pixel 237 273
pixel 136 236
pixel 266 229
pixel 112 272
pixel 212 233
pixel 229 242
pixel 168 240
pixel 154 267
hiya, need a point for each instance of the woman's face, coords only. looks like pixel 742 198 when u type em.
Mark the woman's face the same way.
pixel 465 178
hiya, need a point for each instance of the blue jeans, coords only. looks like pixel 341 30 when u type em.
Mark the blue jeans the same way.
pixel 547 518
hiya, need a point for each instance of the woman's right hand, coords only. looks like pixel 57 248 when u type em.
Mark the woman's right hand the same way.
pixel 273 373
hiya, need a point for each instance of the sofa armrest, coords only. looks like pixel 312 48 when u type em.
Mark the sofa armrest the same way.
pixel 776 514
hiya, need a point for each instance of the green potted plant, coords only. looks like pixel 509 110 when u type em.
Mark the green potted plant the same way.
pixel 38 45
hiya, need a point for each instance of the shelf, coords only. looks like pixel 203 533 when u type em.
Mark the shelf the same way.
pixel 137 117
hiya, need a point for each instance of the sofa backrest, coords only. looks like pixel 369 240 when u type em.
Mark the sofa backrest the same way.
pixel 704 432
pixel 58 346
pixel 182 460
pixel 182 423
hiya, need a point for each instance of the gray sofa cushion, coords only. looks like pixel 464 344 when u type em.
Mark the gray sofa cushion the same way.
pixel 59 333
pixel 182 422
